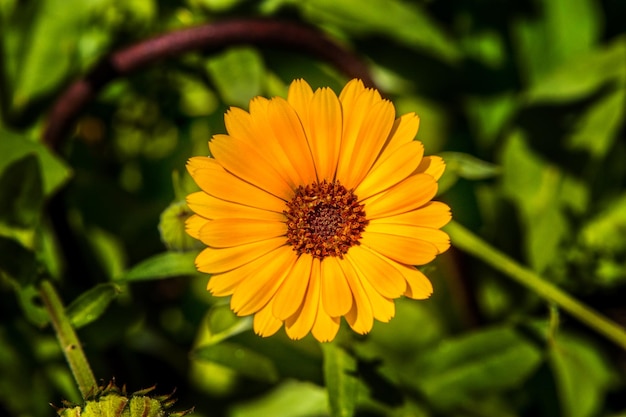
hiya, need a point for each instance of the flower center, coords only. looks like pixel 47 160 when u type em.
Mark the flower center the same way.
pixel 324 219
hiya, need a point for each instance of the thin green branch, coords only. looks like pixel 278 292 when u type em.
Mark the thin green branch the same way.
pixel 472 244
pixel 72 349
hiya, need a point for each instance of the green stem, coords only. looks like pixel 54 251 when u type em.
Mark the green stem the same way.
pixel 68 340
pixel 472 244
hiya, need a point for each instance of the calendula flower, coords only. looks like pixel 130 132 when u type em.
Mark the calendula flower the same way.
pixel 315 208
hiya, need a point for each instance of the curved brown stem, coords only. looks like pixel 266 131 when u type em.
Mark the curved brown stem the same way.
pixel 210 37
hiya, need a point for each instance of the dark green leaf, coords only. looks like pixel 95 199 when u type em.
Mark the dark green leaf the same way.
pixel 91 304
pixel 240 359
pixel 21 194
pixel 14 147
pixel 163 265
pixel 17 261
pixel 341 383
pixel 481 363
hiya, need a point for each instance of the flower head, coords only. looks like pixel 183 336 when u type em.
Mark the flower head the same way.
pixel 315 208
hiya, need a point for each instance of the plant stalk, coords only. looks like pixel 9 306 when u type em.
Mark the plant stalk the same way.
pixel 468 242
pixel 72 349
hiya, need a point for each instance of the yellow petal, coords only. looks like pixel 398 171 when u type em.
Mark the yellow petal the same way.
pixel 288 131
pixel 226 233
pixel 358 156
pixel 383 277
pixel 256 291
pixel 350 92
pixel 403 249
pixel 432 165
pixel 360 317
pixel 299 97
pixel 383 308
pixel 324 133
pixel 219 183
pixel 395 168
pixel 403 131
pixel 243 160
pixel 196 162
pixel 419 286
pixel 408 195
pixel 214 208
pixel 193 224
pixel 434 214
pixel 325 327
pixel 336 294
pixel 290 295
pixel 440 239
pixel 299 325
pixel 215 261
pixel 264 323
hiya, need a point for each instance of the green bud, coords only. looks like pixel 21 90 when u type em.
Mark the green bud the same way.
pixel 172 228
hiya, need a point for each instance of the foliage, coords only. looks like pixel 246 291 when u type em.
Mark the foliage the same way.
pixel 526 100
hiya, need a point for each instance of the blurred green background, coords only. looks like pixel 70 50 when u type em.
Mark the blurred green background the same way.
pixel 524 99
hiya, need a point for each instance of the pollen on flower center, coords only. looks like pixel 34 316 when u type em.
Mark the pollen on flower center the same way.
pixel 324 219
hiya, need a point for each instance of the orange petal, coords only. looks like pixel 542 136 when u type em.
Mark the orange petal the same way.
pixel 215 261
pixel 403 131
pixel 264 323
pixel 336 294
pixel 193 224
pixel 216 181
pixel 360 317
pixel 226 233
pixel 299 97
pixel 324 135
pixel 403 249
pixel 395 168
pixel 434 214
pixel 408 195
pixel 432 165
pixel 243 160
pixel 383 308
pixel 325 327
pixel 440 239
pixel 214 208
pixel 291 293
pixel 256 291
pixel 383 277
pixel 299 325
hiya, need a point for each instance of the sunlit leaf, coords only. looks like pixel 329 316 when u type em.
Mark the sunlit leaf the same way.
pixel 90 305
pixel 244 361
pixel 238 75
pixel 160 266
pixel 341 382
pixel 290 399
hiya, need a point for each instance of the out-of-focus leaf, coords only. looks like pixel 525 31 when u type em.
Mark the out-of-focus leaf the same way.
pixel 582 76
pixel 488 116
pixel 403 22
pixel 222 323
pixel 605 231
pixel 459 370
pixel 582 375
pixel 238 75
pixel 108 250
pixel 17 261
pixel 599 126
pixel 547 40
pixel 14 147
pixel 163 265
pixel 28 297
pixel 468 166
pixel 244 361
pixel 290 399
pixel 21 194
pixel 91 304
pixel 341 383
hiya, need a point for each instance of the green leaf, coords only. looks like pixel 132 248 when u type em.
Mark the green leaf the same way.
pixel 161 266
pixel 238 75
pixel 582 374
pixel 21 194
pixel 90 305
pixel 14 147
pixel 341 383
pixel 401 21
pixel 17 261
pixel 290 399
pixel 482 363
pixel 244 361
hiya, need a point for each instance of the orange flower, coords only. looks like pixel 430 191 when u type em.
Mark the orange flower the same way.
pixel 315 208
